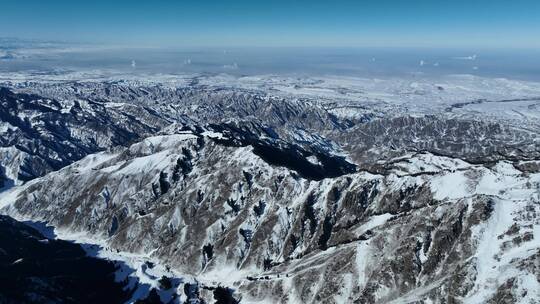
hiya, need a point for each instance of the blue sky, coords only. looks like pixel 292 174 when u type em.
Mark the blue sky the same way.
pixel 473 23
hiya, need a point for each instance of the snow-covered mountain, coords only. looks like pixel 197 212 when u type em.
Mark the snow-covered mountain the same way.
pixel 285 196
pixel 42 134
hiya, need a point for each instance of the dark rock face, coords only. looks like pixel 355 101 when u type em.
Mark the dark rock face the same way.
pixel 34 269
pixel 208 251
pixel 224 295
pixel 280 153
pixel 192 292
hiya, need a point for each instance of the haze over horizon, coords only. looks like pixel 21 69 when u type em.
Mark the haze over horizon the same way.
pixel 353 38
pixel 432 24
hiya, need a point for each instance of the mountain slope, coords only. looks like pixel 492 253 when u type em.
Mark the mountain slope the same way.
pixel 38 135
pixel 276 190
pixel 428 227
pixel 35 269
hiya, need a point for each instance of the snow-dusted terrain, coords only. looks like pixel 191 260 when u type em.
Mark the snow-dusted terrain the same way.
pixel 285 189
